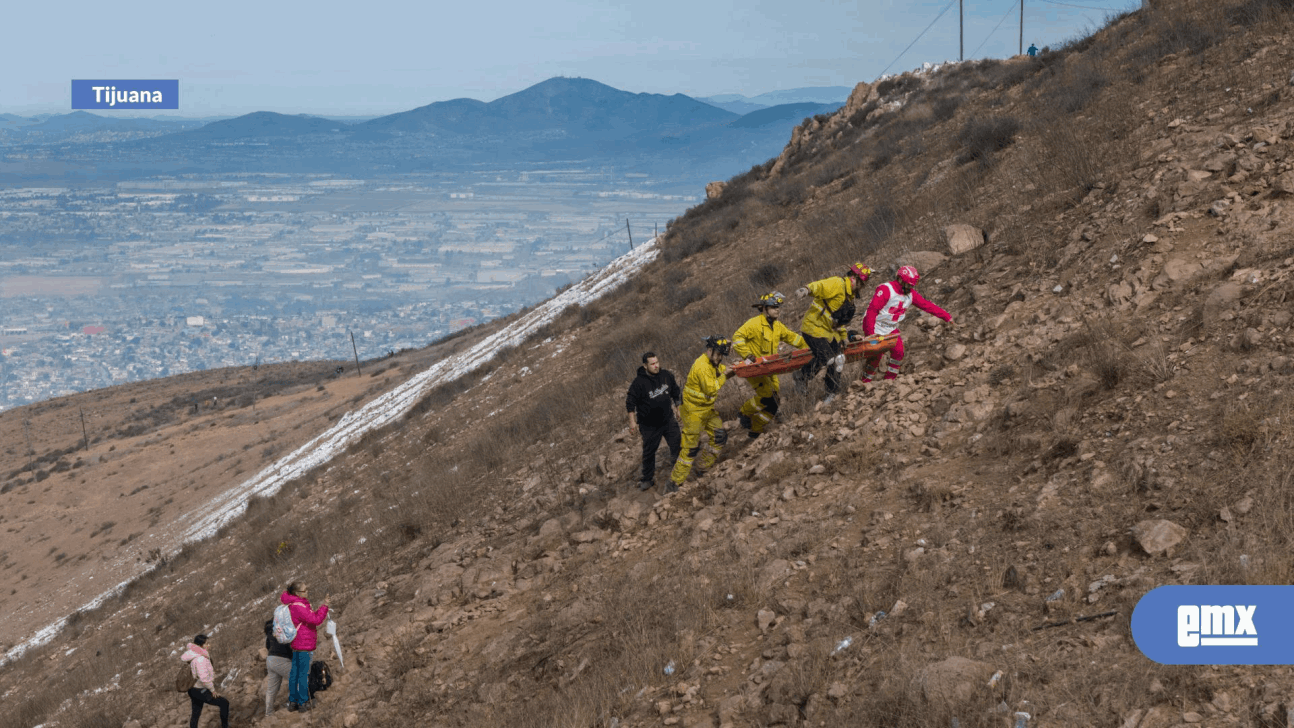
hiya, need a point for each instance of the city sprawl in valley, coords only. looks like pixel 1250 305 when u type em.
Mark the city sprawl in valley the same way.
pixel 138 279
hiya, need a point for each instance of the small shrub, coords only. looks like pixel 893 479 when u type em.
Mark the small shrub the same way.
pixel 1084 81
pixel 896 85
pixel 984 138
pixel 1259 12
pixel 767 275
pixel 945 107
pixel 680 298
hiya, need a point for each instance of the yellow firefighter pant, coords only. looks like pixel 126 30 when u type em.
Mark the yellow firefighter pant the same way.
pixel 693 422
pixel 762 408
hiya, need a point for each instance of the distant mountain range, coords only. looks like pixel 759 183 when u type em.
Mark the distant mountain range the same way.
pixel 739 104
pixel 557 119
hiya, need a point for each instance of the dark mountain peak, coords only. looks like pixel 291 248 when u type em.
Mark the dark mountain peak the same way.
pixel 572 106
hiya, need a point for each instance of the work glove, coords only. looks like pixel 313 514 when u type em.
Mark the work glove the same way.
pixel 854 335
pixel 801 292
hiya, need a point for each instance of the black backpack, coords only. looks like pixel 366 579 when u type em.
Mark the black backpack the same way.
pixel 843 315
pixel 320 677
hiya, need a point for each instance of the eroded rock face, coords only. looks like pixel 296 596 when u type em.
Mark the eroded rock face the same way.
pixel 714 190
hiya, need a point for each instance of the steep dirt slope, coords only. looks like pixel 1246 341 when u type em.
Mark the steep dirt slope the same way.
pixel 1120 357
pixel 97 487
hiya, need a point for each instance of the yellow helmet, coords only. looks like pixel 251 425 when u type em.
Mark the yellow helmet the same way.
pixel 770 300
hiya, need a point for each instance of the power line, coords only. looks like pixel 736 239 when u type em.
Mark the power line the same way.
pixel 914 40
pixel 999 25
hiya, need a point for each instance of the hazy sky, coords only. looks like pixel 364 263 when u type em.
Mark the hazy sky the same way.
pixel 378 56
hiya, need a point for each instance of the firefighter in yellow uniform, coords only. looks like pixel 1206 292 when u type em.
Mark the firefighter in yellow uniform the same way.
pixel 824 324
pixel 697 413
pixel 761 336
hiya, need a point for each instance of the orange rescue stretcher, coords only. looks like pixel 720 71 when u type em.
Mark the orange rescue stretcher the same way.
pixel 867 347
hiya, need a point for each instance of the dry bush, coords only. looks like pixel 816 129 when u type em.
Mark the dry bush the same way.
pixel 1102 351
pixel 404 654
pixel 1158 32
pixel 647 622
pixel 1083 81
pixel 767 275
pixel 982 139
pixel 898 85
pixel 1260 12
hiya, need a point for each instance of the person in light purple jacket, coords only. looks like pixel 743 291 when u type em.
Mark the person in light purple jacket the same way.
pixel 307 620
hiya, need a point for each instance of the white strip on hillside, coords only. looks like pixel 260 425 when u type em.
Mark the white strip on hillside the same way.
pixel 394 404
pixel 388 408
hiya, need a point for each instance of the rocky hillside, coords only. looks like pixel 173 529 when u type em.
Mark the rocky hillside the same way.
pixel 1109 226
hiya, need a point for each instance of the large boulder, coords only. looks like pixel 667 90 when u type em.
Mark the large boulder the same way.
pixel 963 238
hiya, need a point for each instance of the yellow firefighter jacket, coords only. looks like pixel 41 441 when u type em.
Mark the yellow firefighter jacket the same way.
pixel 757 338
pixel 829 294
pixel 703 383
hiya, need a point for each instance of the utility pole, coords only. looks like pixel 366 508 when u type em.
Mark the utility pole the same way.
pixel 1021 51
pixel 356 350
pixel 631 234
pixel 84 433
pixel 961 31
pixel 26 427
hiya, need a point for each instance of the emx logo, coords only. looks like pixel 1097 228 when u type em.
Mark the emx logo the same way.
pixel 1229 626
pixel 1215 625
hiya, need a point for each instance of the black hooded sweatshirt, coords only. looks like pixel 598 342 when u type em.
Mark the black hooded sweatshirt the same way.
pixel 275 648
pixel 650 396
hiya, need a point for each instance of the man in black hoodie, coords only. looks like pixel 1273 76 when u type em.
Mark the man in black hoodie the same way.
pixel 652 403
pixel 278 665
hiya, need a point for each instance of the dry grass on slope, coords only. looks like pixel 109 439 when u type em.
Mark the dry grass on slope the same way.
pixel 507 576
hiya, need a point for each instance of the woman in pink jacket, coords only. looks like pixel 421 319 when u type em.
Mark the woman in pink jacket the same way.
pixel 203 691
pixel 306 621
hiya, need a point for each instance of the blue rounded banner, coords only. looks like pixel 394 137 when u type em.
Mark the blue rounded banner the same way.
pixel 1216 625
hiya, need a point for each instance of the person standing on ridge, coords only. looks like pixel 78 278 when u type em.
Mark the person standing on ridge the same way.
pixel 760 336
pixel 824 324
pixel 889 306
pixel 307 620
pixel 203 691
pixel 652 403
pixel 1033 50
pixel 704 381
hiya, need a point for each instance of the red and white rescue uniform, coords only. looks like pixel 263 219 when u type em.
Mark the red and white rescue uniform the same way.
pixel 886 311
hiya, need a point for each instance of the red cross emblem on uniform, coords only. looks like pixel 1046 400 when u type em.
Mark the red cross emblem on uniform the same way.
pixel 897 310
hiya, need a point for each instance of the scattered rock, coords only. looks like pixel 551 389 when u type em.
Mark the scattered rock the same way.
pixel 1160 716
pixel 952 682
pixel 1221 299
pixel 1284 183
pixel 963 238
pixel 1159 536
pixel 714 190
pixel 922 260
